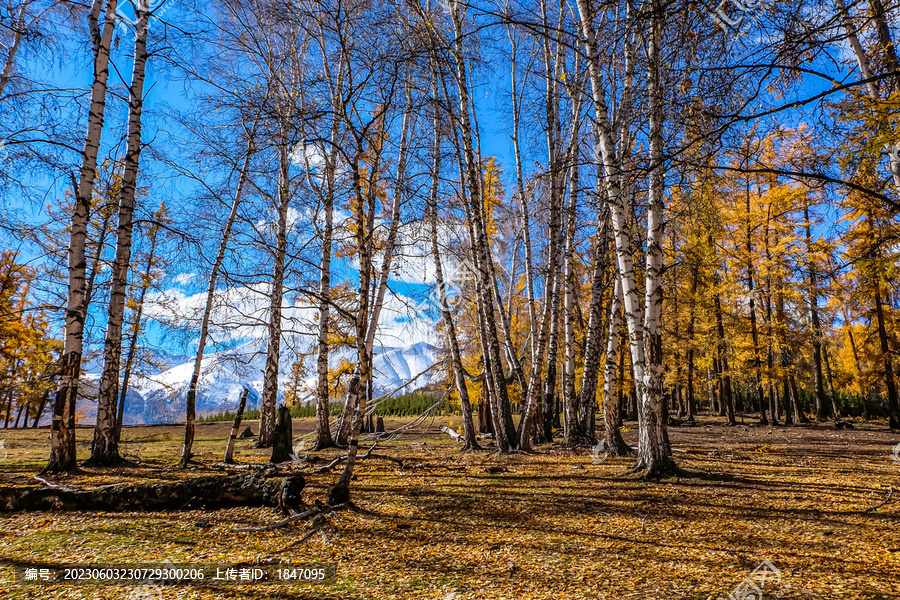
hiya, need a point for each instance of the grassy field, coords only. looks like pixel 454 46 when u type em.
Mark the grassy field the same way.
pixel 554 525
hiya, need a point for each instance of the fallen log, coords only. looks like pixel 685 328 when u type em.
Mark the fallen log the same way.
pixel 221 491
pixel 457 437
pixel 242 467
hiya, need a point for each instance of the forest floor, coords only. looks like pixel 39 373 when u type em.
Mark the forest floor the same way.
pixel 554 525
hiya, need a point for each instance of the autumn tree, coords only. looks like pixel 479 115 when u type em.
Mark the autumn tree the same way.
pixel 28 354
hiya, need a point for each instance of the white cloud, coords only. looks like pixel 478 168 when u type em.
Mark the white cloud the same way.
pixel 413 262
pixel 405 320
pixel 312 155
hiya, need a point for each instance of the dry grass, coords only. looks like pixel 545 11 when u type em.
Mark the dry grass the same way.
pixel 554 526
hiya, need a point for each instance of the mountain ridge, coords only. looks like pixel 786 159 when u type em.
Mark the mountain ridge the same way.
pixel 161 398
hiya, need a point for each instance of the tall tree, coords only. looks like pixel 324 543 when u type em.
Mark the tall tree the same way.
pixel 491 352
pixel 813 295
pixel 146 279
pixel 587 399
pixel 653 442
pixel 191 401
pixel 570 406
pixel 105 450
pixel 459 372
pixel 62 436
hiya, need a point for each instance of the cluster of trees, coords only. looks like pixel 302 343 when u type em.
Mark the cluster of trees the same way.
pixel 28 352
pixel 406 405
pixel 690 213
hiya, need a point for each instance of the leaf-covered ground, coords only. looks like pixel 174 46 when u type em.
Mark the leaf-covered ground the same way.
pixel 554 525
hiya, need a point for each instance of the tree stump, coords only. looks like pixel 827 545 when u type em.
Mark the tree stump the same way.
pixel 339 494
pixel 281 441
pixel 379 425
pixel 289 499
pixel 246 433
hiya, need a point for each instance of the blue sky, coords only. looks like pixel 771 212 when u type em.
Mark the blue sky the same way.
pixel 491 98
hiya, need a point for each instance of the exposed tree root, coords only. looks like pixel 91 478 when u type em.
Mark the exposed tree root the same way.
pixel 475 448
pixel 618 447
pixel 670 469
pixel 339 494
pixel 580 442
pixel 890 494
pixel 368 454
pixel 318 509
pixel 55 486
pixel 656 470
pixel 116 462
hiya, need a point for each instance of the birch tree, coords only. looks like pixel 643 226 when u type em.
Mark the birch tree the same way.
pixel 570 406
pixel 191 400
pixel 105 447
pixel 491 350
pixel 653 451
pixel 62 436
pixel 276 297
pixel 326 190
pixel 653 446
pixel 459 373
pixel 146 279
pixel 615 444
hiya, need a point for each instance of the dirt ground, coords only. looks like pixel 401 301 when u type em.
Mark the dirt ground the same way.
pixel 555 524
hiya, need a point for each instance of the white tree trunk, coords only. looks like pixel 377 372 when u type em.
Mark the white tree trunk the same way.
pixel 534 393
pixel 522 194
pixel 105 448
pixel 269 397
pixel 323 430
pixel 356 401
pixel 190 405
pixel 614 442
pixel 336 89
pixel 62 428
pixel 146 280
pixel 469 436
pixel 493 360
pixel 570 404
pixel 653 447
pixel 512 360
pixel 654 444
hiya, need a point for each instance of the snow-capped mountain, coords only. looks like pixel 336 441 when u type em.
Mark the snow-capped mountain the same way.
pixel 161 398
pixel 395 366
pixel 161 359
